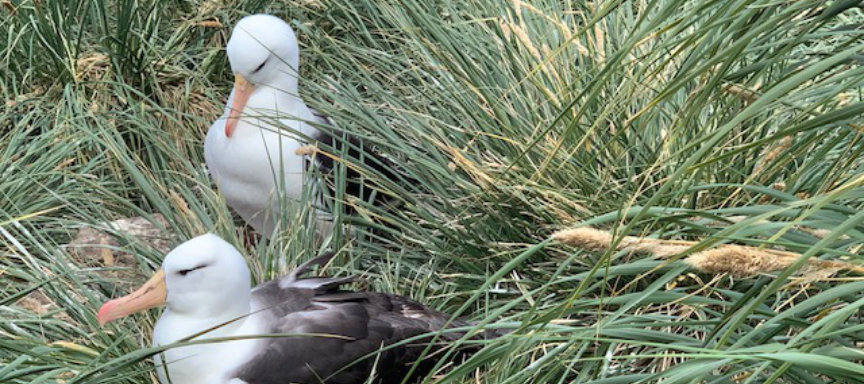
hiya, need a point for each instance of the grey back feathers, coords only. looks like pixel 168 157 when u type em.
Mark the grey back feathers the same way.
pixel 342 336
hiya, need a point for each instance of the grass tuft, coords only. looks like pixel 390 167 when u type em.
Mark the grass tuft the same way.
pixel 700 122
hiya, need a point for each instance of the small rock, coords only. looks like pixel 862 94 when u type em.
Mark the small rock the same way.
pixel 94 245
pixel 40 304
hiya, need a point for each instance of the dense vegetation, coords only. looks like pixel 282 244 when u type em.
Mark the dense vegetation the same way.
pixel 715 121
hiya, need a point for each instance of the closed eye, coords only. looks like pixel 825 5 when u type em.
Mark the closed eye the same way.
pixel 184 272
pixel 261 65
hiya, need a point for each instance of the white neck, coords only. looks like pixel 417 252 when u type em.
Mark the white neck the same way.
pixel 284 75
pixel 173 325
pixel 270 102
pixel 284 94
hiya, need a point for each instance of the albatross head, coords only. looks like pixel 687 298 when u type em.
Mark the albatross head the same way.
pixel 262 50
pixel 202 277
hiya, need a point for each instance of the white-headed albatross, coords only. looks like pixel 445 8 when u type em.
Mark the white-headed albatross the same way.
pixel 205 282
pixel 252 148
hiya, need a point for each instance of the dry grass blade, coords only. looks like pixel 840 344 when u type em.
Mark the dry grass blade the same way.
pixel 736 260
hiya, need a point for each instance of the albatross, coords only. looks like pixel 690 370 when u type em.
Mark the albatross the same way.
pixel 347 336
pixel 253 152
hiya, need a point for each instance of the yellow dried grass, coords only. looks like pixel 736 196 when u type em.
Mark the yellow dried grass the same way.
pixel 736 260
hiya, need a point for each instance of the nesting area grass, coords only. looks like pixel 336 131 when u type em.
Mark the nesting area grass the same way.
pixel 697 123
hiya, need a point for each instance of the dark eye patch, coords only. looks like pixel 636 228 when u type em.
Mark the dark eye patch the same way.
pixel 262 65
pixel 184 272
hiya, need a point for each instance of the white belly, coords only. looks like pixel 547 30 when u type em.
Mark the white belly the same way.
pixel 251 168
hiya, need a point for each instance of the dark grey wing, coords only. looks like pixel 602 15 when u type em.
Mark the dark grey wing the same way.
pixel 336 142
pixel 360 326
pixel 295 274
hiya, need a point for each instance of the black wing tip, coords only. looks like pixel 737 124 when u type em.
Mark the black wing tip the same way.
pixel 319 260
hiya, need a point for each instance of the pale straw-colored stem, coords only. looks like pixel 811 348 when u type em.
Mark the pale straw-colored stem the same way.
pixel 738 260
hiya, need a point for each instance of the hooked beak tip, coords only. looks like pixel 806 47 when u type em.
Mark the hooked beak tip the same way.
pixel 104 315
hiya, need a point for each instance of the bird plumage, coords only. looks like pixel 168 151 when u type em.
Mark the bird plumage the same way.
pixel 371 322
pixel 251 151
pixel 320 331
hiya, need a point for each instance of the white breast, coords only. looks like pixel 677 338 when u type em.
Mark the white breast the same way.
pixel 210 363
pixel 249 166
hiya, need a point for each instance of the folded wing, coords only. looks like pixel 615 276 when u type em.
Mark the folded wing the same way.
pixel 354 333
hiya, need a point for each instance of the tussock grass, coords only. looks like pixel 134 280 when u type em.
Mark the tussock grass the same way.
pixel 701 121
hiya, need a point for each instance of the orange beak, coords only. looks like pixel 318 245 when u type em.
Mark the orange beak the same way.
pixel 151 294
pixel 242 90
